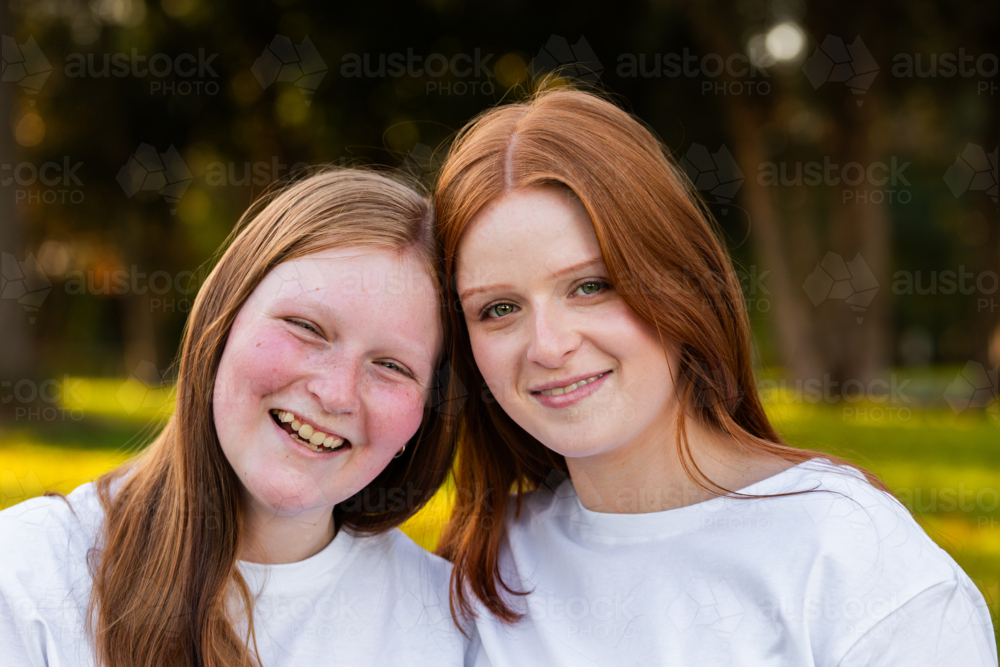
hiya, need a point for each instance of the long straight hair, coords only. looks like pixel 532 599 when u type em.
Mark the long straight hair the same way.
pixel 666 262
pixel 165 566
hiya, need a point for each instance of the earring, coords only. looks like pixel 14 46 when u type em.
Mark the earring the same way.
pixel 400 452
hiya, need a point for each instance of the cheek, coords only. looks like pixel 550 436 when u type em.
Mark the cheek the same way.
pixel 394 415
pixel 254 364
pixel 496 358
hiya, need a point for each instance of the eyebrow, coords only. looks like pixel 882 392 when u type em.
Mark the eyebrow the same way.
pixel 332 315
pixel 465 294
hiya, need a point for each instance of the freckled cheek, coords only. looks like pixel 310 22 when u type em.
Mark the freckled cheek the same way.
pixel 394 415
pixel 268 361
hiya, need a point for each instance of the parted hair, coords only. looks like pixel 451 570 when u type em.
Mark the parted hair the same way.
pixel 665 260
pixel 165 565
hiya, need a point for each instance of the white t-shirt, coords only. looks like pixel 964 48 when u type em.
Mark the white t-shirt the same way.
pixel 839 577
pixel 359 601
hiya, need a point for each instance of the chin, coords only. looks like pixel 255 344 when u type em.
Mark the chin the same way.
pixel 577 442
pixel 286 493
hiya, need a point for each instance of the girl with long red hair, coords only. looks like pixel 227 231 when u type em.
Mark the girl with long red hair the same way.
pixel 258 527
pixel 623 498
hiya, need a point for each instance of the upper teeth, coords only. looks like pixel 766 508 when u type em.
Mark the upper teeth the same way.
pixel 307 434
pixel 558 391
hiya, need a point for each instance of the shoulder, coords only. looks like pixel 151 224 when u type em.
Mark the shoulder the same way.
pixel 873 565
pixel 855 545
pixel 50 529
pixel 45 581
pixel 836 508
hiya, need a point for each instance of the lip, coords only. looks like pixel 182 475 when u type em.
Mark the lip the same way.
pixel 565 382
pixel 301 449
pixel 575 396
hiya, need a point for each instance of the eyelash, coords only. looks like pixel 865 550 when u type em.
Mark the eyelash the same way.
pixel 485 314
pixel 398 367
pixel 305 325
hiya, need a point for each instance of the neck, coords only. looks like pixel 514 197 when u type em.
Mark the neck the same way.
pixel 271 538
pixel 646 475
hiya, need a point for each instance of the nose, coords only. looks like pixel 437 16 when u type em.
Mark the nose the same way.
pixel 552 336
pixel 335 386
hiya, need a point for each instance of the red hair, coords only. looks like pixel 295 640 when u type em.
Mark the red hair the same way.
pixel 664 259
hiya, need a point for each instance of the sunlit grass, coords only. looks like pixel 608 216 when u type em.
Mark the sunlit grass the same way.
pixel 944 466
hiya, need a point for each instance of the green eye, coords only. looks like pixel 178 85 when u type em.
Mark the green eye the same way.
pixel 499 310
pixel 592 287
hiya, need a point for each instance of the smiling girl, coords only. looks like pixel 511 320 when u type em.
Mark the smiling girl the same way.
pixel 658 517
pixel 258 528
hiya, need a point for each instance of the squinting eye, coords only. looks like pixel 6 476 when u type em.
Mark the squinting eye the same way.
pixel 499 310
pixel 304 325
pixel 592 287
pixel 394 367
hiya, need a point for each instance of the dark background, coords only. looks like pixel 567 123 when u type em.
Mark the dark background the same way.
pixel 98 247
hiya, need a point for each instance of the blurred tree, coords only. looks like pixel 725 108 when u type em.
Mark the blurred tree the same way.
pixel 792 237
pixel 16 348
pixel 241 127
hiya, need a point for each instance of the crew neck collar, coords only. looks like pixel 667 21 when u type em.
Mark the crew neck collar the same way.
pixel 589 525
pixel 304 572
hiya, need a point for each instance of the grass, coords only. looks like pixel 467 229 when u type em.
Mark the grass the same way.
pixel 944 466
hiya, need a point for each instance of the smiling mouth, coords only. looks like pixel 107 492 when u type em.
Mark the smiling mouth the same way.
pixel 559 391
pixel 306 434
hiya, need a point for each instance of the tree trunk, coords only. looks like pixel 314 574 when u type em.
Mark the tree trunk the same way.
pixel 792 322
pixel 793 325
pixel 858 338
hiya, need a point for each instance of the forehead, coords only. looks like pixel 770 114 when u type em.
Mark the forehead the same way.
pixel 384 295
pixel 353 273
pixel 545 228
